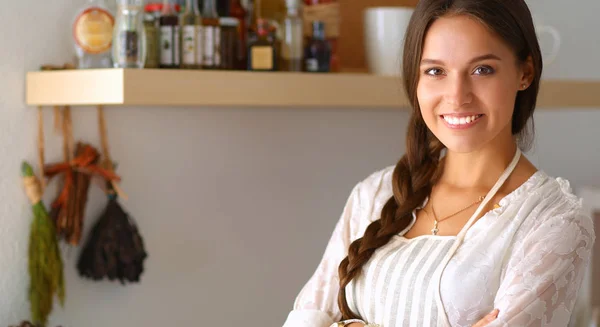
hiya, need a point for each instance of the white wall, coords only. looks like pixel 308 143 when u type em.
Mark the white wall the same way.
pixel 258 191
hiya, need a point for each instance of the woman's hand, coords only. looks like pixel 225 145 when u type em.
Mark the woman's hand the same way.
pixel 481 323
pixel 487 319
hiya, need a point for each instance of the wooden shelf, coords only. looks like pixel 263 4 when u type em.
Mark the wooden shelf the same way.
pixel 159 87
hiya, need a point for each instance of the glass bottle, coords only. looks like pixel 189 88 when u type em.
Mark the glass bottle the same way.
pixel 237 10
pixel 212 35
pixel 93 33
pixel 261 48
pixel 151 28
pixel 129 37
pixel 229 42
pixel 169 35
pixel 191 36
pixel 317 56
pixel 292 48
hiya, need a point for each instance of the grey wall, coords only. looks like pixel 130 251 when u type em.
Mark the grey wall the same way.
pixel 236 205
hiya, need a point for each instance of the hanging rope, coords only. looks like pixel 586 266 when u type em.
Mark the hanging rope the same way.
pixel 107 162
pixel 40 142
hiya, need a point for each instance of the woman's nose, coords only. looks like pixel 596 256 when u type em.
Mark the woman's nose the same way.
pixel 459 91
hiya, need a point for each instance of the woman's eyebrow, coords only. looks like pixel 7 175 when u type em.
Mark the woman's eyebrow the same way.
pixel 476 59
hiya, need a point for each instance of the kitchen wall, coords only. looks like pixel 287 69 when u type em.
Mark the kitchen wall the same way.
pixel 236 205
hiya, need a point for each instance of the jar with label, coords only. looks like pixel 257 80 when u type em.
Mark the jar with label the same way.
pixel 169 35
pixel 261 48
pixel 129 37
pixel 230 42
pixel 93 35
pixel 212 35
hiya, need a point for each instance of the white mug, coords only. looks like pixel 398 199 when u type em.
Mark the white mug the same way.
pixel 542 29
pixel 384 30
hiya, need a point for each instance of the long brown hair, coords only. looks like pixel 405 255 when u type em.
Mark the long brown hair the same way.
pixel 419 169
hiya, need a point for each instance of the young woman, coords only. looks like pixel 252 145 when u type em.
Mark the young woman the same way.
pixel 464 230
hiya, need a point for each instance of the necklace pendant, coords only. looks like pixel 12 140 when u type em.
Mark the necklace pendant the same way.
pixel 435 229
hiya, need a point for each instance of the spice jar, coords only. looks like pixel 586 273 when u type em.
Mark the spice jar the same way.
pixel 229 42
pixel 129 38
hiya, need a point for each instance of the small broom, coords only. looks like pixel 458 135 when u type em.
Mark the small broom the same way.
pixel 45 262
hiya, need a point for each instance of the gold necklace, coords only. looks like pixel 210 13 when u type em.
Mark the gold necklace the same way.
pixel 435 229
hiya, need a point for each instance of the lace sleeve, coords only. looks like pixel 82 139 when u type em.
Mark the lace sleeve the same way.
pixel 545 271
pixel 316 304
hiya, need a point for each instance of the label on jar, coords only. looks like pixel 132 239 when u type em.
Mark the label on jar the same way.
pixel 217 50
pixel 209 46
pixel 128 47
pixel 188 49
pixel 93 30
pixel 199 45
pixel 151 46
pixel 262 58
pixel 166 45
pixel 312 65
pixel 169 45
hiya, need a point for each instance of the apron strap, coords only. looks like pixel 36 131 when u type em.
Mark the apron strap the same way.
pixel 511 167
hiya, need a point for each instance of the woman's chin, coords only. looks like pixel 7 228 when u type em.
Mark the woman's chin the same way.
pixel 462 146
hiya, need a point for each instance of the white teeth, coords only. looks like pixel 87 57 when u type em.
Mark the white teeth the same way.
pixel 461 120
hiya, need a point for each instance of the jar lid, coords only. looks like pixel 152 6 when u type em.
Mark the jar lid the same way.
pixel 154 7
pixel 229 21
pixel 158 6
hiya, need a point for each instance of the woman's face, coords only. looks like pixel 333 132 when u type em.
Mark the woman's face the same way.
pixel 468 82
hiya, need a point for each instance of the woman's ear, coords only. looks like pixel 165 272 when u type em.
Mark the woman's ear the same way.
pixel 527 74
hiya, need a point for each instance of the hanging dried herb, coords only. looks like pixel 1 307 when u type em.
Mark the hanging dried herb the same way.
pixel 115 248
pixel 45 262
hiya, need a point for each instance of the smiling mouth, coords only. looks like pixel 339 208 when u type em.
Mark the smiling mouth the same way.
pixel 461 121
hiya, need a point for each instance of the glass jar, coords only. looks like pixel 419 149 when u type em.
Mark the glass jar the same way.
pixel 229 42
pixel 129 37
pixel 92 32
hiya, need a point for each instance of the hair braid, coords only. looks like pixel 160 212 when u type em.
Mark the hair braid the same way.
pixel 412 181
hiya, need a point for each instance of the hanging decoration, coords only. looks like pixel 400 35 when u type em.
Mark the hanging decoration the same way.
pixel 45 263
pixel 69 207
pixel 115 248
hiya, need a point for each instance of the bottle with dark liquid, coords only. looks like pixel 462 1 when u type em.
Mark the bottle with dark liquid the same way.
pixel 237 10
pixel 292 44
pixel 317 56
pixel 169 35
pixel 261 48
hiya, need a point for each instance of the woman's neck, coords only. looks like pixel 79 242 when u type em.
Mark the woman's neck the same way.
pixel 477 169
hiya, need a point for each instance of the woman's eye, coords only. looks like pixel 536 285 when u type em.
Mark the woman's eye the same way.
pixel 484 70
pixel 434 72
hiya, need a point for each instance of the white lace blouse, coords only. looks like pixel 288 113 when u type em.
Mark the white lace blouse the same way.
pixel 526 258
